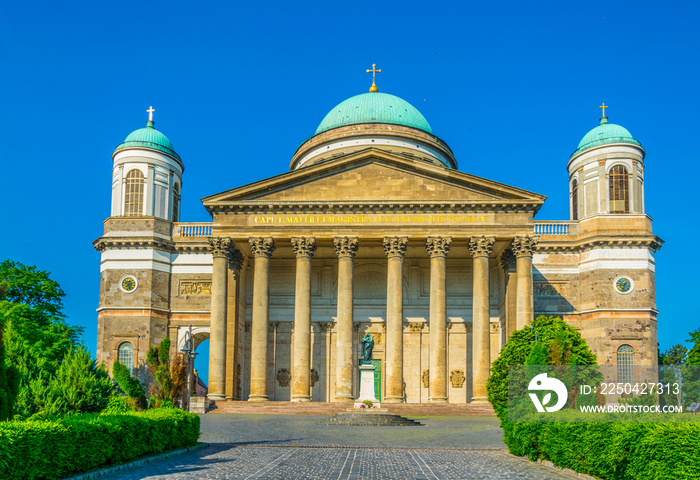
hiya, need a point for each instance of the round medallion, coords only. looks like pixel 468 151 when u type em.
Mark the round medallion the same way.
pixel 128 284
pixel 623 284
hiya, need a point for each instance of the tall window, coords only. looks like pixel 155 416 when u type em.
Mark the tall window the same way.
pixel 126 356
pixel 574 200
pixel 133 201
pixel 625 364
pixel 176 202
pixel 619 190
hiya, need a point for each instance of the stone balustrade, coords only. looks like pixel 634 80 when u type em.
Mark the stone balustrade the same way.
pixel 192 229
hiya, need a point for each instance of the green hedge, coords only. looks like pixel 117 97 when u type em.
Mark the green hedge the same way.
pixel 49 449
pixel 623 450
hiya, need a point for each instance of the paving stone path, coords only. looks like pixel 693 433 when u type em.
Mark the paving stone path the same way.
pixel 301 447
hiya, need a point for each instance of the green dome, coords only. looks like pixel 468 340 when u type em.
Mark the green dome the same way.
pixel 374 107
pixel 149 137
pixel 604 134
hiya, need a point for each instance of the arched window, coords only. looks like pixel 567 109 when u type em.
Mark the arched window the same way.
pixel 619 190
pixel 133 200
pixel 176 202
pixel 574 200
pixel 125 356
pixel 625 364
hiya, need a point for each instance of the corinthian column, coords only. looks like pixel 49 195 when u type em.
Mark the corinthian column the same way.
pixel 523 248
pixel 480 248
pixel 221 250
pixel 304 248
pixel 345 247
pixel 395 248
pixel 438 248
pixel 262 248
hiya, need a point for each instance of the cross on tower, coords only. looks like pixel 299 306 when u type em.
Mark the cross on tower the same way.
pixel 150 113
pixel 374 71
pixel 603 106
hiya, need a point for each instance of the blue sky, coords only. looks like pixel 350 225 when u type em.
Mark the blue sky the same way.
pixel 512 87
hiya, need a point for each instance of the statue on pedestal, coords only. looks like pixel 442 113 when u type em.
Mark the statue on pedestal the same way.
pixel 367 347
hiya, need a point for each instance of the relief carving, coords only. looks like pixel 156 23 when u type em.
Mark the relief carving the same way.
pixel 283 377
pixel 195 288
pixel 313 377
pixel 550 289
pixel 457 378
pixel 425 378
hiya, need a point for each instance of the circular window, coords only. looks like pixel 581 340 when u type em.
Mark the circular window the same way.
pixel 128 284
pixel 623 284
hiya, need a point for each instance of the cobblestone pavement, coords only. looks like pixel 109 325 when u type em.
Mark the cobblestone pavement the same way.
pixel 300 447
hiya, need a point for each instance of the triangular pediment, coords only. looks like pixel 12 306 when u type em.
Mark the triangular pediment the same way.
pixel 374 176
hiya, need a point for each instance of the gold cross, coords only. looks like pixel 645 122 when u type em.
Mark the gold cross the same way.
pixel 150 114
pixel 374 71
pixel 603 106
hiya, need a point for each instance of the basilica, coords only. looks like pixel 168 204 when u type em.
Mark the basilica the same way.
pixel 374 229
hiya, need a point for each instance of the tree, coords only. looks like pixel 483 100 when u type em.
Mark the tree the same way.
pixel 550 339
pixel 79 386
pixel 694 352
pixel 9 384
pixel 169 372
pixel 673 376
pixel 35 334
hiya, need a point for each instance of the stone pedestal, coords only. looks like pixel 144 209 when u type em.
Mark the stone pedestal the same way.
pixel 367 387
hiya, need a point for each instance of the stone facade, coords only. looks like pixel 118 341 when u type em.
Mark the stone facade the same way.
pixel 439 266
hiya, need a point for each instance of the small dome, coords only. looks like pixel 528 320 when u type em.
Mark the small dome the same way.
pixel 149 137
pixel 604 134
pixel 374 107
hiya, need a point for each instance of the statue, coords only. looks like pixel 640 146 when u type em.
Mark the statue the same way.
pixel 367 347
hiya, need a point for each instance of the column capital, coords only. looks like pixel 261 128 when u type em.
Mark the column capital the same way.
pixel 395 246
pixel 262 246
pixel 325 326
pixel 346 246
pixel 507 259
pixel 438 246
pixel 220 246
pixel 304 246
pixel 481 246
pixel 524 246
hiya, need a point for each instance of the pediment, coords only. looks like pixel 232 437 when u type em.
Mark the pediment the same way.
pixel 374 176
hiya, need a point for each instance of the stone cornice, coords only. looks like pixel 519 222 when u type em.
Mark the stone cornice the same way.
pixel 573 246
pixel 104 243
pixel 329 208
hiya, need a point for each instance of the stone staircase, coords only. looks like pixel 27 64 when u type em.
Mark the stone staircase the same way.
pixel 370 419
pixel 332 408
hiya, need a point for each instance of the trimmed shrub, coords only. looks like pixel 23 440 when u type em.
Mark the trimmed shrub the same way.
pixel 51 449
pixel 129 385
pixel 623 450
